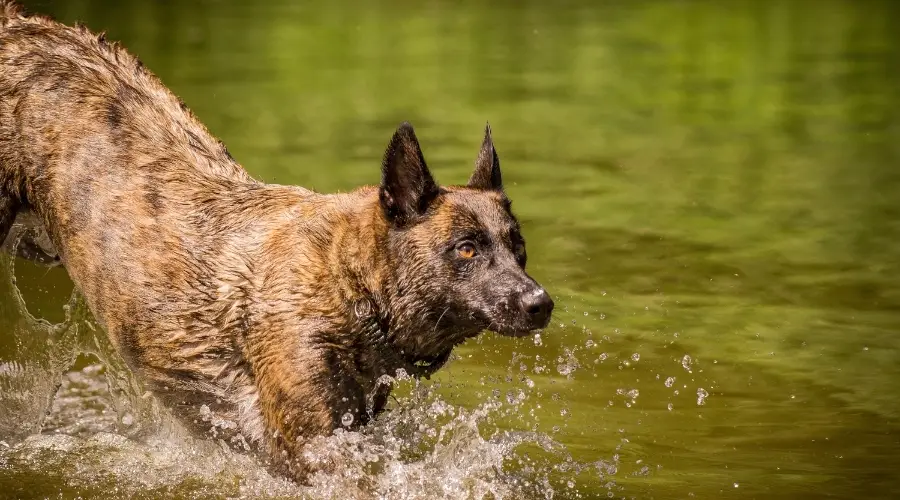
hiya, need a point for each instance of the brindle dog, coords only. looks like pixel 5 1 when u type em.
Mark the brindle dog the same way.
pixel 275 305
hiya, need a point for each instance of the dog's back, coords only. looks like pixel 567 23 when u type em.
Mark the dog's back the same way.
pixel 87 133
pixel 137 197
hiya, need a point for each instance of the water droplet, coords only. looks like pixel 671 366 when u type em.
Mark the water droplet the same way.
pixel 529 383
pixel 670 406
pixel 347 419
pixel 585 313
pixel 563 412
pixel 636 357
pixel 735 485
pixel 589 343
pixel 686 362
pixel 570 484
pixel 670 381
pixel 537 339
pixel 701 396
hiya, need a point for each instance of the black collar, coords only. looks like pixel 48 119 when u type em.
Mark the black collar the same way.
pixel 376 333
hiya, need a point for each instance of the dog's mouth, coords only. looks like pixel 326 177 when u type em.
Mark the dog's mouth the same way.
pixel 508 331
pixel 431 362
pixel 519 325
pixel 426 366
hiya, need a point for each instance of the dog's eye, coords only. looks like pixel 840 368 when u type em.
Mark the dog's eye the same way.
pixel 466 250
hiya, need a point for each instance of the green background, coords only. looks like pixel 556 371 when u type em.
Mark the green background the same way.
pixel 712 179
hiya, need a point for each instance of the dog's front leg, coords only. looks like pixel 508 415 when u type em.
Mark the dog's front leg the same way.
pixel 304 392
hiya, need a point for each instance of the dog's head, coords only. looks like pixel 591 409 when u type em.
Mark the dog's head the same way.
pixel 459 253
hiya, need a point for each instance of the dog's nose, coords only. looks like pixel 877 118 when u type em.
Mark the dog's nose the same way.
pixel 538 306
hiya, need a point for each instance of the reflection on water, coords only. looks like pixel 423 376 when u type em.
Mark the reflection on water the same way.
pixel 708 189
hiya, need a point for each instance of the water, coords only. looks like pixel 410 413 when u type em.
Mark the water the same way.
pixel 708 190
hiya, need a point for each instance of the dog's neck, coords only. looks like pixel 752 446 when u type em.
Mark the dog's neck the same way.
pixel 375 334
pixel 372 294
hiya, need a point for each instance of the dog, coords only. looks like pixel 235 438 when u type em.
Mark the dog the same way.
pixel 276 306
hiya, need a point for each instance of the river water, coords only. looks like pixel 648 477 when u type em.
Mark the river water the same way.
pixel 710 190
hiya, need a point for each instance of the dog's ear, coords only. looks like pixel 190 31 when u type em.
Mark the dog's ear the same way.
pixel 407 186
pixel 487 166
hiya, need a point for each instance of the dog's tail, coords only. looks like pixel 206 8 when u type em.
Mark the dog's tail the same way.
pixel 10 10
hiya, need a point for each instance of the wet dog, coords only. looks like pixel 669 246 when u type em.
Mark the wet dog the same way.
pixel 276 306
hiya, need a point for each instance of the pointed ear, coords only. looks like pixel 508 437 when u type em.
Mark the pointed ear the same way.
pixel 407 187
pixel 487 167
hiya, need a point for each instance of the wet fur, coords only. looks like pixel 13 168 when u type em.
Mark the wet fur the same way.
pixel 255 299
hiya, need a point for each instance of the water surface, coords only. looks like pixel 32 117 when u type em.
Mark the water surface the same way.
pixel 709 190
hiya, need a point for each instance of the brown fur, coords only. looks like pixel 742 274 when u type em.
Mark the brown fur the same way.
pixel 276 306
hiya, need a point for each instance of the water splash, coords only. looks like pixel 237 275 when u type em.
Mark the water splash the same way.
pixel 630 396
pixel 567 363
pixel 41 353
pixel 96 430
pixel 701 396
pixel 434 450
pixel 424 447
pixel 686 362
